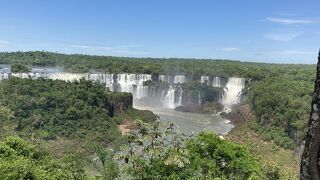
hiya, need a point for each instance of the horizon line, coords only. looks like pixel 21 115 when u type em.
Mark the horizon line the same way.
pixel 164 58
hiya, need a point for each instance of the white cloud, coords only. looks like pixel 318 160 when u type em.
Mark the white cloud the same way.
pixel 294 52
pixel 81 46
pixel 92 47
pixel 123 49
pixel 230 49
pixel 133 52
pixel 290 21
pixel 282 37
pixel 3 43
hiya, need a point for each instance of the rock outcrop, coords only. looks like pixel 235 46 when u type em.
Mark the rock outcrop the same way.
pixel 119 102
pixel 310 158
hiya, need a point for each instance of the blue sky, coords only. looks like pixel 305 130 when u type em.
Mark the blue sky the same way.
pixel 278 31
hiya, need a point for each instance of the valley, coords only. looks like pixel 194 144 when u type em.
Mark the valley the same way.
pixel 159 90
pixel 193 103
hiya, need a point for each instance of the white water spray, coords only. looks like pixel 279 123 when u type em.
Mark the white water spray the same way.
pixel 232 92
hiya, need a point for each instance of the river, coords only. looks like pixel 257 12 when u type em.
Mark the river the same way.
pixel 192 123
pixel 163 101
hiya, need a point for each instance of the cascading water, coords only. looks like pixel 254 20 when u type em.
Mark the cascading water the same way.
pixel 232 92
pixel 4 76
pixel 216 82
pixel 133 83
pixel 169 98
pixel 205 79
pixel 165 99
pixel 172 79
pixel 166 78
pixel 67 76
pixel 180 97
pixel 22 75
pixel 107 79
pixel 179 79
pixel 199 98
pixel 141 91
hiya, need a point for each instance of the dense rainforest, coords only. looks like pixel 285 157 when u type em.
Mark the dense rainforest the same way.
pixel 62 126
pixel 51 108
pixel 86 63
pixel 83 111
pixel 68 113
pixel 279 94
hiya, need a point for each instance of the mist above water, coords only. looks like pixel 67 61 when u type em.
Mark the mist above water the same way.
pixel 161 101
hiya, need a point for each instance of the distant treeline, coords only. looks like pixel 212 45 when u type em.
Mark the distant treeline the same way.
pixel 279 94
pixel 195 67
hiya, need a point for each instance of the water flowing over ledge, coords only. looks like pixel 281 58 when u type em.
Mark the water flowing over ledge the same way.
pixel 162 101
pixel 170 97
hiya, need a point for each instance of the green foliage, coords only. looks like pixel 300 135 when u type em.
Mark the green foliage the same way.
pixel 20 159
pixel 108 169
pixel 75 164
pixel 216 157
pixel 190 67
pixel 51 108
pixel 282 106
pixel 6 114
pixel 276 134
pixel 156 84
pixel 160 152
pixel 19 68
pixel 279 94
pixel 207 92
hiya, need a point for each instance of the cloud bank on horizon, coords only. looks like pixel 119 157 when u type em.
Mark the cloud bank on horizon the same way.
pixel 274 31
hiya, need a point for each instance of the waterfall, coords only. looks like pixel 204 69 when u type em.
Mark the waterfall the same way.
pixel 232 92
pixel 172 98
pixel 125 83
pixel 107 79
pixel 199 99
pixel 166 78
pixel 133 83
pixel 141 91
pixel 180 97
pixel 169 98
pixel 216 82
pixel 179 79
pixel 21 75
pixel 205 79
pixel 162 95
pixel 67 76
pixel 172 79
pixel 4 76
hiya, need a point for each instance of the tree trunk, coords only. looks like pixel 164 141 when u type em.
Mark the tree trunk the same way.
pixel 309 169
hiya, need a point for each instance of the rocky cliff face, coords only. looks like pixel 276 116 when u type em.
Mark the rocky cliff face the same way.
pixel 310 158
pixel 119 102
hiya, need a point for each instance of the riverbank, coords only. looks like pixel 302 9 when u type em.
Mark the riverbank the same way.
pixel 239 114
pixel 128 119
